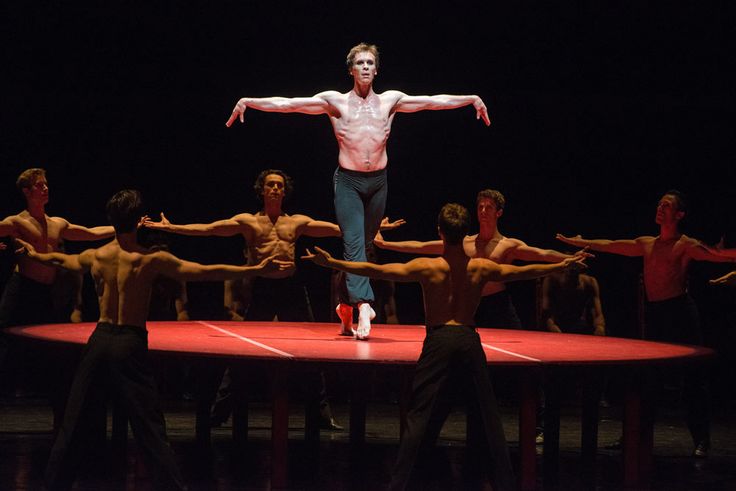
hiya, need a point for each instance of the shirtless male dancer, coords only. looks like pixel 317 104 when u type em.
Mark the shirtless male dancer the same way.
pixel 452 285
pixel 671 314
pixel 269 232
pixel 495 309
pixel 116 355
pixel 27 295
pixel 362 120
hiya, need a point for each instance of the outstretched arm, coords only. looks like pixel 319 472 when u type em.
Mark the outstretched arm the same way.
pixel 317 104
pixel 633 247
pixel 73 262
pixel 524 252
pixel 727 279
pixel 392 272
pixel 410 246
pixel 700 252
pixel 78 232
pixel 173 267
pixel 414 103
pixel 220 228
pixel 509 272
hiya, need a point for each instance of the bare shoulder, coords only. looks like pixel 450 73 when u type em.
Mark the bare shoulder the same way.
pixel 690 241
pixel 59 221
pixel 391 96
pixel 331 96
pixel 645 239
pixel 511 243
pixel 482 264
pixel 244 218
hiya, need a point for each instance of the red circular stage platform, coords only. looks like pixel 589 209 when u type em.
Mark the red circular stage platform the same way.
pixel 285 343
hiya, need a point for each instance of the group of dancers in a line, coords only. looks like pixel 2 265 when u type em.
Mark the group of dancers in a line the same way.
pixel 466 271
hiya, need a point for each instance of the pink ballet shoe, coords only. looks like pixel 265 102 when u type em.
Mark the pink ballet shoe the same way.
pixel 365 315
pixel 345 313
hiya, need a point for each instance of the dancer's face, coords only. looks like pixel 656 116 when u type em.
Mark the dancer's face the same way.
pixel 487 211
pixel 364 67
pixel 273 188
pixel 667 212
pixel 38 191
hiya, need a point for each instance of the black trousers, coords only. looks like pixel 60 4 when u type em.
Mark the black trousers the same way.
pixel 115 360
pixel 284 297
pixel 676 320
pixel 451 357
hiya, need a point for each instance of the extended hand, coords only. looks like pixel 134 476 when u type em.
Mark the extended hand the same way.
pixel 273 265
pixel 584 253
pixel 320 257
pixel 576 240
pixel 727 279
pixel 387 224
pixel 162 225
pixel 238 112
pixel 576 263
pixel 23 248
pixel 481 111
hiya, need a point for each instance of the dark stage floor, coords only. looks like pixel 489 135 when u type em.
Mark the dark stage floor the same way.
pixel 25 438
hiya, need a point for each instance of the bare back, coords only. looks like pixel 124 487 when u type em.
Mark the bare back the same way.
pixel 452 288
pixel 123 280
pixel 362 127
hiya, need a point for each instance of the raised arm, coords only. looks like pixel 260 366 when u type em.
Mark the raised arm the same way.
pixel 221 228
pixel 79 263
pixel 179 269
pixel 631 247
pixel 317 104
pixel 392 272
pixel 71 231
pixel 413 103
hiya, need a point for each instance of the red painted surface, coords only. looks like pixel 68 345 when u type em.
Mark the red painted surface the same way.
pixel 389 344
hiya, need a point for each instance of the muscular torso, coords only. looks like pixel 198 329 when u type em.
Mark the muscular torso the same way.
pixel 265 238
pixel 499 249
pixel 44 235
pixel 123 280
pixel 451 291
pixel 665 266
pixel 362 127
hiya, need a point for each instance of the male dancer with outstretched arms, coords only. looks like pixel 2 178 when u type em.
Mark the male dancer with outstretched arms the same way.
pixel 361 119
pixel 670 312
pixel 452 285
pixel 115 357
pixel 496 308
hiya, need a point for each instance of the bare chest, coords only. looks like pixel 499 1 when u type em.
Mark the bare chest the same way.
pixel 44 235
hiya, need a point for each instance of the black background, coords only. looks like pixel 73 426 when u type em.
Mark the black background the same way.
pixel 597 109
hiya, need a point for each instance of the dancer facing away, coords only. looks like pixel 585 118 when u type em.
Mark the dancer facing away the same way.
pixel 452 285
pixel 670 312
pixel 361 119
pixel 123 272
pixel 495 309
